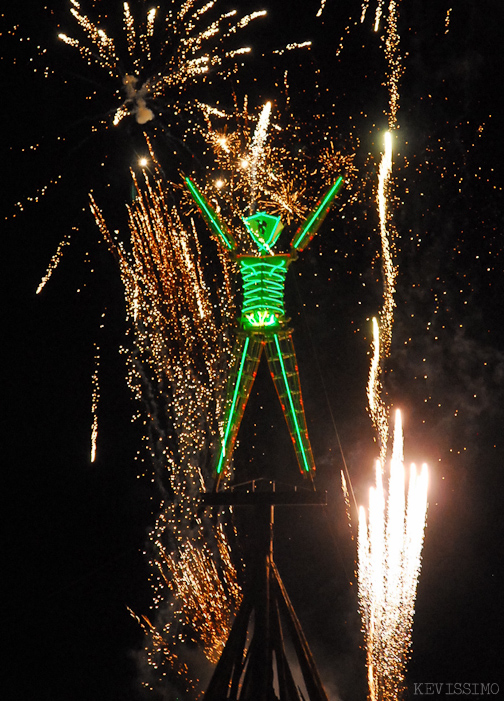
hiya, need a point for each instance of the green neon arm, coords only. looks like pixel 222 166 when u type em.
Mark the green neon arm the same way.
pixel 232 409
pixel 291 404
pixel 310 227
pixel 210 216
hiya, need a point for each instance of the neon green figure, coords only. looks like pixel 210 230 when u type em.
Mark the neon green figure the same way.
pixel 263 324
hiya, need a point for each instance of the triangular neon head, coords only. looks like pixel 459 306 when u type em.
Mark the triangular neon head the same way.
pixel 264 229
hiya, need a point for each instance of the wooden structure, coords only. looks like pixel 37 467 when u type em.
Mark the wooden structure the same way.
pixel 254 665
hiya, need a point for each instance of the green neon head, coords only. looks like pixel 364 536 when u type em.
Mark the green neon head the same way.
pixel 264 229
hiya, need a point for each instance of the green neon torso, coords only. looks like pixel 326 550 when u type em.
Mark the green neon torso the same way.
pixel 263 281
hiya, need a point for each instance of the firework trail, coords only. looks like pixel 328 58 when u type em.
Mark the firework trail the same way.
pixel 177 368
pixel 382 339
pixel 165 53
pixel 53 264
pixel 382 332
pixel 389 547
pixel 389 554
pixel 257 150
pixel 95 398
pixel 394 63
pixel 377 408
pixel 393 76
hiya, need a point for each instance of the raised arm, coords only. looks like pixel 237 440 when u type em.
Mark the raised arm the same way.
pixel 210 216
pixel 310 226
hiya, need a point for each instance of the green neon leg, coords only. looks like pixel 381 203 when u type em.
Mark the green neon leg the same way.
pixel 283 367
pixel 247 353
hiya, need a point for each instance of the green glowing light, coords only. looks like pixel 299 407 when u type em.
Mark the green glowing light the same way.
pixel 291 404
pixel 264 229
pixel 231 418
pixel 210 216
pixel 263 290
pixel 261 318
pixel 308 230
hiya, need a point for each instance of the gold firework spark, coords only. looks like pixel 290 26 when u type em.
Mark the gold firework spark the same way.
pixel 346 496
pixel 447 20
pixel 95 398
pixel 389 554
pixel 53 264
pixel 206 599
pixel 321 8
pixel 377 407
pixel 182 337
pixel 260 164
pixel 382 332
pixel 378 14
pixel 392 53
pixel 394 62
pixel 257 151
pixel 387 249
pixel 191 44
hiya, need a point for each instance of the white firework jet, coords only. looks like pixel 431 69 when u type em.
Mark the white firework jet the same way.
pixel 389 552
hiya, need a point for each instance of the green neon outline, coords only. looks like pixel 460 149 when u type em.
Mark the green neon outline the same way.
pixel 211 217
pixel 282 367
pixel 272 237
pixel 260 318
pixel 231 412
pixel 263 282
pixel 330 195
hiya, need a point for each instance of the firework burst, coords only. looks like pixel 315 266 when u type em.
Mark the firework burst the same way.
pixel 261 165
pixel 165 53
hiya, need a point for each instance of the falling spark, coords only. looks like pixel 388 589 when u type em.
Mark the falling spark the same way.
pixel 389 554
pixel 197 586
pixel 95 397
pixel 382 332
pixel 378 14
pixel 388 267
pixel 346 496
pixel 394 63
pixel 377 407
pixel 53 264
pixel 293 46
pixel 365 5
pixel 392 54
pixel 321 8
pixel 178 368
pixel 447 20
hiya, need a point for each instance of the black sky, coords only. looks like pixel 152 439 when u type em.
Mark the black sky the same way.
pixel 74 531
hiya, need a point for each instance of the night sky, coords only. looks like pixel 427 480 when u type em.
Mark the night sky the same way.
pixel 74 530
